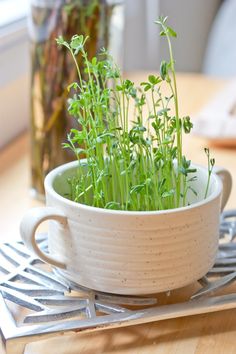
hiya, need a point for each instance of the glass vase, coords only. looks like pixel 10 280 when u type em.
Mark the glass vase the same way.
pixel 53 69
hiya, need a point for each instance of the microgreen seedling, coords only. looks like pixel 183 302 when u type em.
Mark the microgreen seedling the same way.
pixel 210 164
pixel 132 163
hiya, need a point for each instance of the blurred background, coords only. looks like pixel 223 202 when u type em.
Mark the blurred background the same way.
pixel 206 44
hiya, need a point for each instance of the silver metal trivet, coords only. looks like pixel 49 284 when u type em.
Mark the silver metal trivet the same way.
pixel 37 303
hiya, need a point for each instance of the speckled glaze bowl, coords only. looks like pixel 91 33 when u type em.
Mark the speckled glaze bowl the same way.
pixel 127 252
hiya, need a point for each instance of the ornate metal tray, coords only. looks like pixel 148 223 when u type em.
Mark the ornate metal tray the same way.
pixel 37 303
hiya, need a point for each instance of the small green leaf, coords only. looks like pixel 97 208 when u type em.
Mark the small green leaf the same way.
pixel 154 80
pixel 147 86
pixel 94 61
pixel 161 112
pixel 139 128
pixel 78 135
pixel 60 40
pixel 137 189
pixel 183 171
pixel 66 146
pixel 163 33
pixel 162 183
pixel 148 181
pixel 77 43
pixel 187 124
pixel 119 88
pixel 191 170
pixel 73 85
pixel 151 79
pixel 113 206
pixel 163 69
pixel 212 162
pixel 169 193
pixel 80 151
pixel 171 32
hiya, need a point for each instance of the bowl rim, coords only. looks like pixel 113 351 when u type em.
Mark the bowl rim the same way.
pixel 49 180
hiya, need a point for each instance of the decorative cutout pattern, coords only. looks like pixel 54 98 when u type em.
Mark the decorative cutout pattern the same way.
pixel 36 302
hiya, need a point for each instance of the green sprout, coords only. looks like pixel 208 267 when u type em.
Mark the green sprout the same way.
pixel 133 163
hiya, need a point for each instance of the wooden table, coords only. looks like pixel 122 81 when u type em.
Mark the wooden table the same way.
pixel 210 333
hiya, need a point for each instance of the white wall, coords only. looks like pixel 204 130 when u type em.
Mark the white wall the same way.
pixel 141 43
pixel 192 20
pixel 14 82
pixel 220 55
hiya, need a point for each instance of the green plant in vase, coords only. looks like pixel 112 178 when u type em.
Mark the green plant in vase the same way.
pixel 53 70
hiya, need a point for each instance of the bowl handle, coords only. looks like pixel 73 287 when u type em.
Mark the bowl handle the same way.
pixel 29 224
pixel 226 179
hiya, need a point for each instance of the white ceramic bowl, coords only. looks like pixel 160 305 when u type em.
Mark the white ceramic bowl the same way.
pixel 128 252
